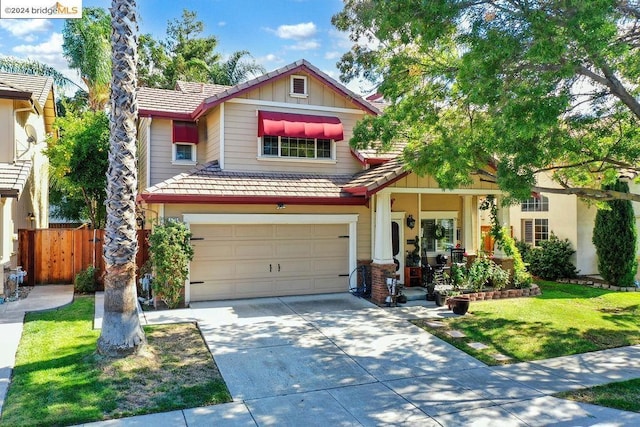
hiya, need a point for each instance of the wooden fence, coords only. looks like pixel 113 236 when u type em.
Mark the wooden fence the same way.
pixel 57 255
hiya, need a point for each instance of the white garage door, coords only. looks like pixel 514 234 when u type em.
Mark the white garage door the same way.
pixel 240 261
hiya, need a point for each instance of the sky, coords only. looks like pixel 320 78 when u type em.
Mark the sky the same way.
pixel 275 32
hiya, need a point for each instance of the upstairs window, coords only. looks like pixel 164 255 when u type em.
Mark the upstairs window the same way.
pixel 299 86
pixel 535 204
pixel 185 138
pixel 291 147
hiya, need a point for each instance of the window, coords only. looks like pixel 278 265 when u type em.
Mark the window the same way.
pixel 298 86
pixel 535 204
pixel 184 153
pixel 535 230
pixel 284 146
pixel 438 234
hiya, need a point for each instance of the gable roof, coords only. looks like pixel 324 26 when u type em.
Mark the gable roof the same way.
pixel 189 101
pixel 209 184
pixel 13 178
pixel 37 86
pixel 375 179
pixel 301 65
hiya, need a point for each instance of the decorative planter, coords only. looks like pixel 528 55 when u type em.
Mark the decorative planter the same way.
pixel 439 298
pixel 459 305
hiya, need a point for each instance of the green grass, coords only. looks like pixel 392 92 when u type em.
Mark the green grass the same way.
pixel 565 319
pixel 623 395
pixel 58 378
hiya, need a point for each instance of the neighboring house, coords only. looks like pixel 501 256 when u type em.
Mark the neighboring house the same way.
pixel 567 217
pixel 27 111
pixel 277 201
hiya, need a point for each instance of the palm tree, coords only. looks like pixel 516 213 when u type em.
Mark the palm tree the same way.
pixel 235 70
pixel 121 331
pixel 11 64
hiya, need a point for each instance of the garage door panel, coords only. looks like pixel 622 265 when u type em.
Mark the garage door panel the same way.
pixel 249 250
pixel 311 259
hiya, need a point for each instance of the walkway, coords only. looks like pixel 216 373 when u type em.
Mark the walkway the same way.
pixel 338 360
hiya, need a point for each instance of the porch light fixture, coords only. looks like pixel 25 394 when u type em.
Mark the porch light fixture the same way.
pixel 31 216
pixel 280 205
pixel 411 222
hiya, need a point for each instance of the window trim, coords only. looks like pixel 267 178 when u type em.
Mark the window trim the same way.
pixel 439 215
pixel 279 156
pixel 174 152
pixel 534 233
pixel 291 86
pixel 535 204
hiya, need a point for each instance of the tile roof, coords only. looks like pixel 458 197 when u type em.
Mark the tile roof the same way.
pixel 375 156
pixel 368 182
pixel 208 181
pixel 13 178
pixel 152 100
pixel 39 86
pixel 194 87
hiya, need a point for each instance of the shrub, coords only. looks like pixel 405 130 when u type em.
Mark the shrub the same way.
pixel 551 260
pixel 85 281
pixel 170 252
pixel 614 236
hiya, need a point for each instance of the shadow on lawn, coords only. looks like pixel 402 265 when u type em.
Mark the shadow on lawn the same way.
pixel 513 338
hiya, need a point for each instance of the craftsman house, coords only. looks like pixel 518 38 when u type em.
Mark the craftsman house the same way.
pixel 27 111
pixel 277 201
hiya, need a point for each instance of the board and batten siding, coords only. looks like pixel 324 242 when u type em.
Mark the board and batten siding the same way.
pixel 7 127
pixel 143 135
pixel 212 148
pixel 242 148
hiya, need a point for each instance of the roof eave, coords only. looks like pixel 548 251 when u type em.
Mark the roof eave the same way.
pixel 164 115
pixel 248 200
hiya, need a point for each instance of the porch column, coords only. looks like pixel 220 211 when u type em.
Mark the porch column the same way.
pixel 469 231
pixel 382 266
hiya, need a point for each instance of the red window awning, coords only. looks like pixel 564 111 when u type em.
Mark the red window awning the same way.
pixel 299 125
pixel 186 132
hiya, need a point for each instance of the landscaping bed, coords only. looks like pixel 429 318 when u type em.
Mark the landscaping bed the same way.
pixel 59 379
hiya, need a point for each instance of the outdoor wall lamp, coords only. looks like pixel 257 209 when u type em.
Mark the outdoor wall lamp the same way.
pixel 280 205
pixel 411 222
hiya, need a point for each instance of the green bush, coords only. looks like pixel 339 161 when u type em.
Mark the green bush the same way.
pixel 614 236
pixel 85 281
pixel 170 252
pixel 551 260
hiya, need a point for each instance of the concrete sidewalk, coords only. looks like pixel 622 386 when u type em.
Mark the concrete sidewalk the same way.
pixel 42 297
pixel 335 359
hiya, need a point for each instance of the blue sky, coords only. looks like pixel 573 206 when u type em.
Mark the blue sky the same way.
pixel 276 32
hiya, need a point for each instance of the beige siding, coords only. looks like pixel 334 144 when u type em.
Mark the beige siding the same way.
pixel 6 130
pixel 241 143
pixel 161 152
pixel 212 151
pixel 363 228
pixel 414 181
pixel 143 132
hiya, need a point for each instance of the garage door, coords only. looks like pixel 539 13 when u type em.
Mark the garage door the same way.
pixel 240 261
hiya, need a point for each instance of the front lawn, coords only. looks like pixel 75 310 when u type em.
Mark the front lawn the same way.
pixel 624 395
pixel 59 379
pixel 565 319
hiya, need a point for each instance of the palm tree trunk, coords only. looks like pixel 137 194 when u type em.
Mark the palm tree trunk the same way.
pixel 121 331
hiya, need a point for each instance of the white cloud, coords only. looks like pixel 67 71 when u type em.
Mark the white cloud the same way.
pixel 297 31
pixel 25 27
pixel 222 24
pixel 305 45
pixel 332 55
pixel 50 47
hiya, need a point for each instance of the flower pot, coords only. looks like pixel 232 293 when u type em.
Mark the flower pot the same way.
pixel 440 299
pixel 459 305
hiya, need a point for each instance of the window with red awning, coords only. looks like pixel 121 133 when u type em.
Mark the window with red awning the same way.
pixel 299 126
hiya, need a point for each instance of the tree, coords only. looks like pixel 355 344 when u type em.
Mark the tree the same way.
pixel 10 64
pixel 614 236
pixel 78 161
pixel 86 47
pixel 234 70
pixel 121 332
pixel 186 55
pixel 525 87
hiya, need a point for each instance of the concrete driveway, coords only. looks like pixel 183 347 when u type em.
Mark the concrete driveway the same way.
pixel 339 360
